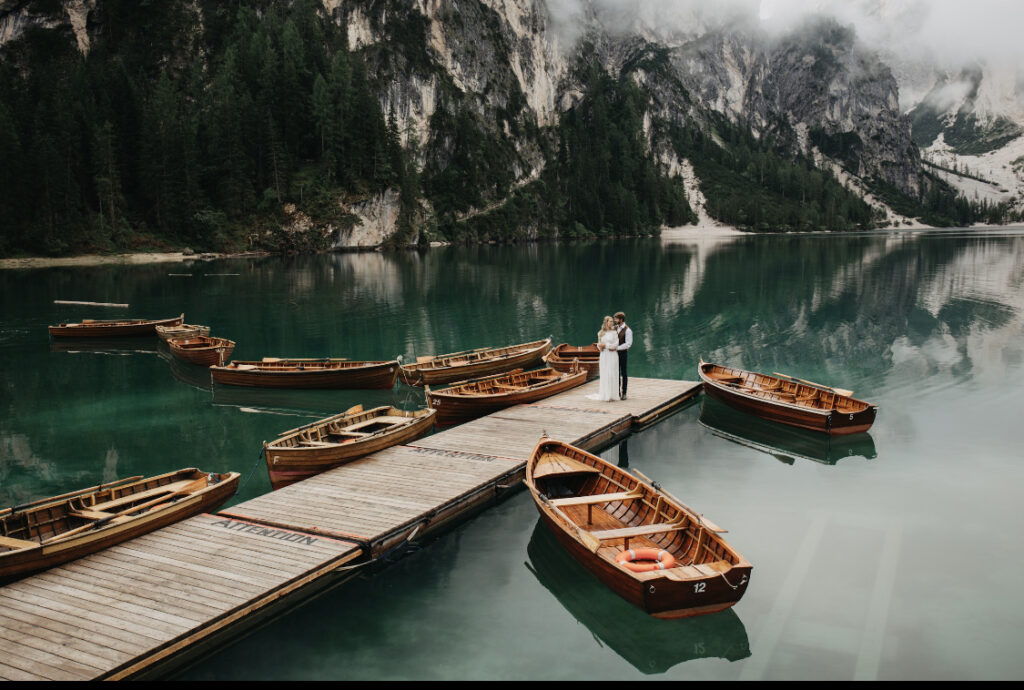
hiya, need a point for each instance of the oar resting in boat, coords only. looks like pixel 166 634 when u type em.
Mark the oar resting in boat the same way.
pixel 186 490
pixel 838 391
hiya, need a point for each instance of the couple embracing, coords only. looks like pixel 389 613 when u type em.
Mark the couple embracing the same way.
pixel 613 340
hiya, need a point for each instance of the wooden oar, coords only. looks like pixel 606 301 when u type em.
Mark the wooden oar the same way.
pixel 355 409
pixel 71 494
pixel 189 488
pixel 837 391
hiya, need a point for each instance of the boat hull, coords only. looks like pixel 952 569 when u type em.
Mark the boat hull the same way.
pixel 419 375
pixel 113 330
pixel 14 565
pixel 566 358
pixel 374 375
pixel 836 422
pixel 456 409
pixel 289 465
pixel 203 351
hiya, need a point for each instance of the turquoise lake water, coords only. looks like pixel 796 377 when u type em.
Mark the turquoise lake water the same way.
pixel 895 554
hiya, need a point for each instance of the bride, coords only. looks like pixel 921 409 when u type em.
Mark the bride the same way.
pixel 608 343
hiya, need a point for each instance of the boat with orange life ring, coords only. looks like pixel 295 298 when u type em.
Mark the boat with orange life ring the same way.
pixel 600 513
pixel 642 560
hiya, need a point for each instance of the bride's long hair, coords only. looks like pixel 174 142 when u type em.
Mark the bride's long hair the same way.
pixel 607 325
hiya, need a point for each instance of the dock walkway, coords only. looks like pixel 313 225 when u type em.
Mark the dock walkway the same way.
pixel 141 607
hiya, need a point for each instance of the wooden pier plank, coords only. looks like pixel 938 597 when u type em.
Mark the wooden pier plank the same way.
pixel 140 596
pixel 60 607
pixel 410 483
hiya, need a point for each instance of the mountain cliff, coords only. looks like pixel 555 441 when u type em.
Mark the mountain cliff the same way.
pixel 305 124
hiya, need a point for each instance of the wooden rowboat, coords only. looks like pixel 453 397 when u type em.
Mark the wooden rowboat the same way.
pixel 51 531
pixel 788 400
pixel 459 366
pixel 308 450
pixel 782 442
pixel 202 350
pixel 471 399
pixel 566 357
pixel 185 330
pixel 273 372
pixel 611 522
pixel 652 646
pixel 115 328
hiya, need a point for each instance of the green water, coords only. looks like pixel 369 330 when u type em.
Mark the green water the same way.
pixel 892 555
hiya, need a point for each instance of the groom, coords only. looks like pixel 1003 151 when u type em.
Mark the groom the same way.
pixel 625 342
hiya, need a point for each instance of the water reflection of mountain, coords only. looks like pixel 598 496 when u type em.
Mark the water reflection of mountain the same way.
pixel 651 645
pixel 782 442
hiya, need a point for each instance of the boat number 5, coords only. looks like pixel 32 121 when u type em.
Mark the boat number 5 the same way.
pixel 851 416
pixel 699 587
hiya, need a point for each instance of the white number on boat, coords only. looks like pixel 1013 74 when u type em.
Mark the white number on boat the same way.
pixel 699 587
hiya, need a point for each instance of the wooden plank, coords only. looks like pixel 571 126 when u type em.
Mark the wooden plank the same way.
pixel 12 673
pixel 41 641
pixel 48 666
pixel 173 583
pixel 154 622
pixel 66 634
pixel 54 620
pixel 73 609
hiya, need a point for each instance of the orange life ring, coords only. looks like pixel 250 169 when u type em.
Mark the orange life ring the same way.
pixel 654 560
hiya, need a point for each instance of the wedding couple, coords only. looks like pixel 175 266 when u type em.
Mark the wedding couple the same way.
pixel 613 340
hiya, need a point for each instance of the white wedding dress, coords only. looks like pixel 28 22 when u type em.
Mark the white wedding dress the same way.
pixel 608 366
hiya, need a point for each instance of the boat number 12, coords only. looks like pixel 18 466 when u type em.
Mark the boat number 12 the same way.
pixel 698 587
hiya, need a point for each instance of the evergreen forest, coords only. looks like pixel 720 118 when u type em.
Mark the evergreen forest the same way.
pixel 197 123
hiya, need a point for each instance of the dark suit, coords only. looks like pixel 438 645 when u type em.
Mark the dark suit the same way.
pixel 625 338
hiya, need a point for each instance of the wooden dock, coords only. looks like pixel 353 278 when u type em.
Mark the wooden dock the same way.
pixel 142 607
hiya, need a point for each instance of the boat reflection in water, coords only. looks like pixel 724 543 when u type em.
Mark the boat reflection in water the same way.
pixel 190 374
pixel 106 346
pixel 322 402
pixel 650 644
pixel 782 442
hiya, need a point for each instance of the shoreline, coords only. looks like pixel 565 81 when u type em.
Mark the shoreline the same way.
pixel 133 258
pixel 686 232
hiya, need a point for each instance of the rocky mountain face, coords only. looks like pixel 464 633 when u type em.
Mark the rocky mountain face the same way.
pixel 501 74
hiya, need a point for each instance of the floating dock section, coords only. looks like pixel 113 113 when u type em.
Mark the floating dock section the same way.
pixel 143 607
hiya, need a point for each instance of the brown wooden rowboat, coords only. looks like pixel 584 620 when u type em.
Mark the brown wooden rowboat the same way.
pixel 185 330
pixel 273 372
pixel 51 531
pixel 566 357
pixel 459 366
pixel 114 328
pixel 787 400
pixel 598 511
pixel 308 450
pixel 471 399
pixel 202 350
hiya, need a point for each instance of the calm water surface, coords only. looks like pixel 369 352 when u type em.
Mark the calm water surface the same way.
pixel 893 555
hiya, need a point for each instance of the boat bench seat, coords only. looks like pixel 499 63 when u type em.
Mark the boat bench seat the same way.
pixel 596 498
pixel 316 444
pixel 150 493
pixel 642 530
pixel 12 543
